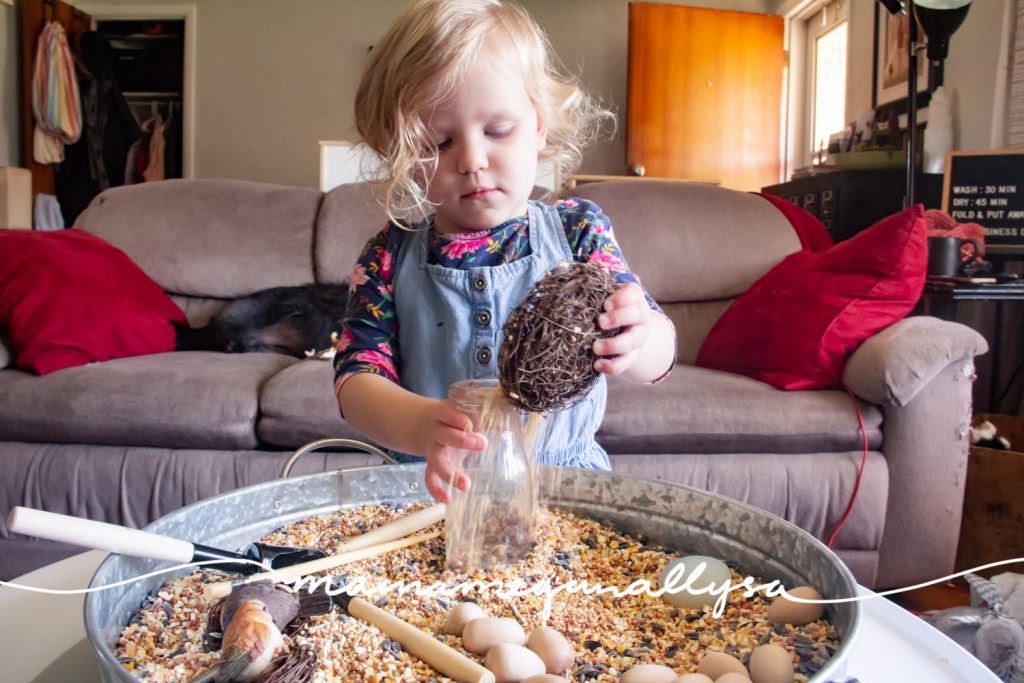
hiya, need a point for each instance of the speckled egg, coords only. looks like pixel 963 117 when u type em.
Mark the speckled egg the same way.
pixel 771 664
pixel 480 635
pixel 460 615
pixel 714 665
pixel 649 673
pixel 512 663
pixel 553 649
pixel 693 678
pixel 715 572
pixel 783 611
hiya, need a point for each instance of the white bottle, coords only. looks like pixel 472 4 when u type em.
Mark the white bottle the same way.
pixel 938 134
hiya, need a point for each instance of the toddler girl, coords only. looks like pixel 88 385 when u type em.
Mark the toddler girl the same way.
pixel 461 99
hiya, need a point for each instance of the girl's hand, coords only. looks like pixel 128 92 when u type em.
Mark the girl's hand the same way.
pixel 442 429
pixel 626 308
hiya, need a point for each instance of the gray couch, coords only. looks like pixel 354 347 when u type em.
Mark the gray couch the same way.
pixel 129 440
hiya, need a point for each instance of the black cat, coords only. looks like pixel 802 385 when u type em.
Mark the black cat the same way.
pixel 290 320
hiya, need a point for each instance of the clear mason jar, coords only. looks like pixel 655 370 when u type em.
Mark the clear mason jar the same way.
pixel 492 523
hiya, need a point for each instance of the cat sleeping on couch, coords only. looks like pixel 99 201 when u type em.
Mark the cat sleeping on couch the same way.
pixel 298 321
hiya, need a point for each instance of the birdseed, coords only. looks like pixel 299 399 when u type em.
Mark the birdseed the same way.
pixel 166 640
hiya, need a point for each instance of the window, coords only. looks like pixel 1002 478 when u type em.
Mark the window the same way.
pixel 829 86
pixel 825 85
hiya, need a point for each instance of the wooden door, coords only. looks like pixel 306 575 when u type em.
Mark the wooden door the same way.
pixel 705 94
pixel 34 16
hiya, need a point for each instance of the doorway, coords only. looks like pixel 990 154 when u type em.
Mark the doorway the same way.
pixel 153 86
pixel 149 68
pixel 705 94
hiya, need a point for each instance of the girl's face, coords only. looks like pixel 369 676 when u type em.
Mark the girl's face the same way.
pixel 488 135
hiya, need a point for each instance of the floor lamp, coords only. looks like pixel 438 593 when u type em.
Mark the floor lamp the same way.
pixel 939 19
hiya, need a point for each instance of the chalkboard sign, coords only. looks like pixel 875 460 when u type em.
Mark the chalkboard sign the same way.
pixel 987 188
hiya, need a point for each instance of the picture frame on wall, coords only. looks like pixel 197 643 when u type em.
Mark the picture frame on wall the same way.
pixel 892 60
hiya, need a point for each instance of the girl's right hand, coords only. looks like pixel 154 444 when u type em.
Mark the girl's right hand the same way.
pixel 442 429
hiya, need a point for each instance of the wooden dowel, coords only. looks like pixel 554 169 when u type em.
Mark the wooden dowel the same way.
pixel 221 589
pixel 403 526
pixel 445 659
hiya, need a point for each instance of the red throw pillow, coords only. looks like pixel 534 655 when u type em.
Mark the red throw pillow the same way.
pixel 813 235
pixel 796 326
pixel 69 298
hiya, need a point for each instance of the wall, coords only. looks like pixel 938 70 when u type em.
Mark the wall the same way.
pixel 9 155
pixel 272 81
pixel 971 71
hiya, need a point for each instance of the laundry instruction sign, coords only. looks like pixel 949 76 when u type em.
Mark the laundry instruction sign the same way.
pixel 987 188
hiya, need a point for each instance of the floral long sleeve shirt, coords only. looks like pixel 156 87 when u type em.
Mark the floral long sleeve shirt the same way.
pixel 369 337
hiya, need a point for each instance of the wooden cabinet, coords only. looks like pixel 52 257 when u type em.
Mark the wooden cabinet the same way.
pixel 847 202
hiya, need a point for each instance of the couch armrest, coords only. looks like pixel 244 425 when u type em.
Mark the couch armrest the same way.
pixel 6 357
pixel 895 364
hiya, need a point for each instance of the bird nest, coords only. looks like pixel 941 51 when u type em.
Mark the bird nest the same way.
pixel 546 362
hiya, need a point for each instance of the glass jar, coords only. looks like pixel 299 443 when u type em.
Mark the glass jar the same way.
pixel 492 523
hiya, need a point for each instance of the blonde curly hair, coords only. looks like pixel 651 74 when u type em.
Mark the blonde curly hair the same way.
pixel 419 64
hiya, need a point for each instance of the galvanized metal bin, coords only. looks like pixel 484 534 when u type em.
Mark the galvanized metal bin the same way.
pixel 750 540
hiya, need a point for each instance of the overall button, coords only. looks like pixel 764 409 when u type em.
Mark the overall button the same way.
pixel 480 283
pixel 483 318
pixel 483 356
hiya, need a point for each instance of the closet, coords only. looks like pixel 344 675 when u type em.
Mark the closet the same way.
pixel 149 67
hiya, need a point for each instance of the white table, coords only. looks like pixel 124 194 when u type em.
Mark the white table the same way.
pixel 893 645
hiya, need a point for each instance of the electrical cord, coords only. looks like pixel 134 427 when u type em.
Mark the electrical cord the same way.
pixel 860 471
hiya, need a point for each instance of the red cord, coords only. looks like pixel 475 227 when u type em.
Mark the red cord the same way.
pixel 860 472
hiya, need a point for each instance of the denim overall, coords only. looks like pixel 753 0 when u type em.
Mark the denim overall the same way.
pixel 450 329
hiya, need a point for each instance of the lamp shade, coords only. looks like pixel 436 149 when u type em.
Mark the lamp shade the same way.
pixel 939 19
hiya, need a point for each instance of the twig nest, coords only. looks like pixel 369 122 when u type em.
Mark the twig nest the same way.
pixel 546 361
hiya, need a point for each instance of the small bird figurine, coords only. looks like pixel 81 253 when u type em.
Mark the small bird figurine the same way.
pixel 250 641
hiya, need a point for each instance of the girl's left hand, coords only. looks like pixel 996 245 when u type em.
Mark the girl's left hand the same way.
pixel 626 308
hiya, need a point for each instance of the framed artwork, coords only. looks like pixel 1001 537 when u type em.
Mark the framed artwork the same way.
pixel 892 61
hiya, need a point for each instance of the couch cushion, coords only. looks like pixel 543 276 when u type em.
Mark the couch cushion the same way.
pixel 690 242
pixel 219 238
pixel 811 490
pixel 692 320
pixel 298 405
pixel 349 216
pixel 128 486
pixel 173 400
pixel 68 298
pixel 796 326
pixel 696 410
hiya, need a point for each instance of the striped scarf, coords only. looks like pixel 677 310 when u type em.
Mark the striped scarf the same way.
pixel 55 101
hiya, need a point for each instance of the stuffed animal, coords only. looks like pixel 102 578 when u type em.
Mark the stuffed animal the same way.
pixel 994 633
pixel 986 435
